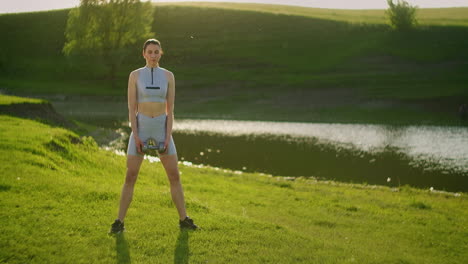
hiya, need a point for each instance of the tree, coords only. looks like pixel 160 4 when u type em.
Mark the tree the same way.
pixel 401 14
pixel 106 29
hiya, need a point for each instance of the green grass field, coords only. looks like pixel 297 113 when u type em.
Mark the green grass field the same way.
pixel 266 62
pixel 428 16
pixel 59 194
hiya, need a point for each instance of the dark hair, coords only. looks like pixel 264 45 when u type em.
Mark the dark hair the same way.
pixel 151 41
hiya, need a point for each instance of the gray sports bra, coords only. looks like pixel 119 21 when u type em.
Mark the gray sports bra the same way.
pixel 151 85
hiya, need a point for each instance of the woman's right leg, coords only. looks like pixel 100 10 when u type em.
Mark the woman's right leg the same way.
pixel 133 167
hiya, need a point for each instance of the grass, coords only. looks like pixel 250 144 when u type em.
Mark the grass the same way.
pixel 230 57
pixel 10 100
pixel 35 109
pixel 426 16
pixel 59 193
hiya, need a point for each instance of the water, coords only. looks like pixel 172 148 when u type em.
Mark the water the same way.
pixel 421 156
pixel 445 147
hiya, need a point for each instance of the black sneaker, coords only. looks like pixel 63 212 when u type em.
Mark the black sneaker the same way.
pixel 117 227
pixel 188 224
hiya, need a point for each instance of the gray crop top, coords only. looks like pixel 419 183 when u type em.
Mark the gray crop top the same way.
pixel 151 85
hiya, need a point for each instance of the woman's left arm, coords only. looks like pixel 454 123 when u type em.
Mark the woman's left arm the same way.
pixel 170 106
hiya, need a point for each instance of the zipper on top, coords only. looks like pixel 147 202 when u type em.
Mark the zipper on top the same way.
pixel 151 75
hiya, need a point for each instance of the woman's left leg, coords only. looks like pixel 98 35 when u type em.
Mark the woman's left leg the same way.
pixel 170 165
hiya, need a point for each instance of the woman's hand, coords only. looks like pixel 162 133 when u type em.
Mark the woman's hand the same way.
pixel 166 145
pixel 138 143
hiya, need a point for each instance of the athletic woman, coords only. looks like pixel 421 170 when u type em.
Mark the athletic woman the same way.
pixel 151 92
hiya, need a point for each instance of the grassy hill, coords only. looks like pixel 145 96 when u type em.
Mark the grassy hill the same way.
pixel 427 16
pixel 252 61
pixel 59 193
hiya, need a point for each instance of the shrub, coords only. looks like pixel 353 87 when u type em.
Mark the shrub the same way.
pixel 402 15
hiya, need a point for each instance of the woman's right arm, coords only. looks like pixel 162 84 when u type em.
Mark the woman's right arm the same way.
pixel 133 108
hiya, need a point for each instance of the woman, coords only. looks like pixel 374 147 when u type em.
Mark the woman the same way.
pixel 151 92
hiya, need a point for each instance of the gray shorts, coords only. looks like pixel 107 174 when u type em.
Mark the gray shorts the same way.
pixel 154 127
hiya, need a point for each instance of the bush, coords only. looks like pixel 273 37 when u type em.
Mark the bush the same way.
pixel 402 15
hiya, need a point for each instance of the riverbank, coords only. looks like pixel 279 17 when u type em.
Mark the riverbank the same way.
pixel 371 154
pixel 59 193
pixel 262 62
pixel 420 156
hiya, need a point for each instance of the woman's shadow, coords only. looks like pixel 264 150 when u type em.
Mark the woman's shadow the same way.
pixel 181 252
pixel 121 247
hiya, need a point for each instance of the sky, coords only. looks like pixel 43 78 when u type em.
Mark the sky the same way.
pixel 14 6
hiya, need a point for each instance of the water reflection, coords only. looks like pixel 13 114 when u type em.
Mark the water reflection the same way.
pixel 445 147
pixel 423 157
pixel 288 156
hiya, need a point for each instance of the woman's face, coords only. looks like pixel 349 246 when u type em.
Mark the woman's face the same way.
pixel 152 54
